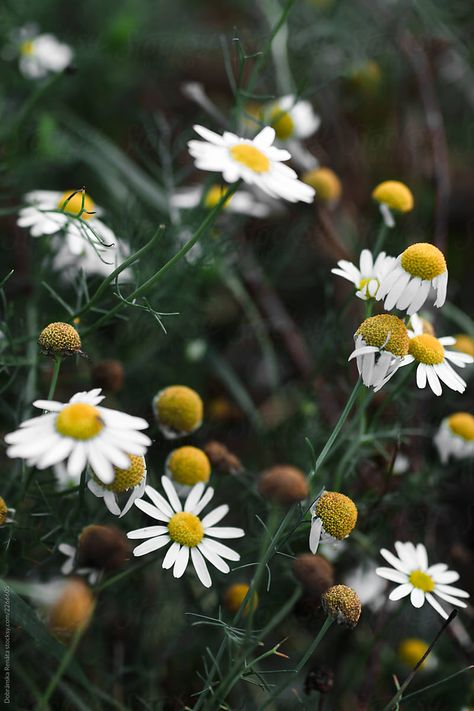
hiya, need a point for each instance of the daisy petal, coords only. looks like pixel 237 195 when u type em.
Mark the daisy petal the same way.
pixel 151 545
pixel 401 591
pixel 201 568
pixel 171 494
pixel 225 532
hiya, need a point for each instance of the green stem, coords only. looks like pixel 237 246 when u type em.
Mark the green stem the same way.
pixel 65 661
pixel 309 652
pixel 146 286
pixel 381 237
pixel 54 379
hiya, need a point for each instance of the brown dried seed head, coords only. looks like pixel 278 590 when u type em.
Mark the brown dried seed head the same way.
pixel 222 458
pixel 314 572
pixel 342 604
pixel 283 484
pixel 102 547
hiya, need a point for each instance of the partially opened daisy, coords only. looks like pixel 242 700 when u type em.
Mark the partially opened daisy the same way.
pixel 42 54
pixel 256 162
pixel 128 484
pixel 292 118
pixel 367 277
pixel 242 202
pixel 381 344
pixel 333 517
pixel 81 432
pixel 190 535
pixel 455 437
pixel 407 284
pixel 415 577
pixel 432 358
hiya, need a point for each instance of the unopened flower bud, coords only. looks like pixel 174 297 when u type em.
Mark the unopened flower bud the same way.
pixel 283 484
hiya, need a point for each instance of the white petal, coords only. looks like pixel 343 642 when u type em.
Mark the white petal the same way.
pixel 421 376
pixel 394 561
pixel 208 494
pixel 394 575
pixel 215 516
pixel 422 556
pixel 401 591
pixel 417 597
pixel 433 381
pixel 450 576
pixel 171 494
pixel 171 555
pixel 315 534
pixel 181 562
pixel 435 605
pixel 213 558
pixel 194 496
pixel 148 532
pixel 221 550
pixel 153 544
pixel 201 568
pixel 77 460
pixel 151 510
pixel 225 532
pixel 449 598
pixel 159 501
pixel 450 590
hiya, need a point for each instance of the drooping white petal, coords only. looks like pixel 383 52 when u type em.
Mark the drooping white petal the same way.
pixel 201 568
pixel 417 597
pixel 153 544
pixel 401 591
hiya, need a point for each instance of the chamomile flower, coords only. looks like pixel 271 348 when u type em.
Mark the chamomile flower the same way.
pixel 381 343
pixel 81 432
pixel 292 118
pixel 407 283
pixel 367 277
pixel 93 258
pixel 326 183
pixel 186 466
pixel 415 577
pixel 410 651
pixel 333 517
pixel 178 411
pixel 432 358
pixel 242 202
pixel 393 196
pixel 257 162
pixel 190 535
pixel 42 54
pixel 128 482
pixel 455 437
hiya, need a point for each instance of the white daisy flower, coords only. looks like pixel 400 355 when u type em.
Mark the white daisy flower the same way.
pixel 292 118
pixel 432 358
pixel 369 587
pixel 69 565
pixel 419 580
pixel 129 482
pixel 333 517
pixel 367 277
pixel 83 433
pixel 257 162
pixel 42 54
pixel 93 259
pixel 241 202
pixel 188 534
pixel 72 213
pixel 406 285
pixel 381 343
pixel 455 437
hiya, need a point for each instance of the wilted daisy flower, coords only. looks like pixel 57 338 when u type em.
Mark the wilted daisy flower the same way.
pixel 407 283
pixel 235 595
pixel 432 358
pixel 342 604
pixel 255 161
pixel 178 411
pixel 326 183
pixel 72 213
pixel 292 118
pixel 189 535
pixel 419 580
pixel 129 482
pixel 333 517
pixel 241 202
pixel 99 549
pixel 187 466
pixel 59 339
pixel 455 437
pixel 381 343
pixel 393 196
pixel 42 54
pixel 367 277
pixel 411 650
pixel 80 432
pixel 70 564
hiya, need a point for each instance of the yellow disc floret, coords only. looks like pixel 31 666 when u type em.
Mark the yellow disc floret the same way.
pixel 422 581
pixel 189 465
pixel 462 424
pixel 76 203
pixel 59 338
pixel 282 123
pixel 387 332
pixel 426 349
pixel 79 421
pixel 178 409
pixel 214 194
pixel 342 604
pixel 27 48
pixel 326 183
pixel 411 650
pixel 3 511
pixel 423 260
pixel 395 195
pixel 186 529
pixel 235 595
pixel 251 157
pixel 125 479
pixel 338 514
pixel 464 344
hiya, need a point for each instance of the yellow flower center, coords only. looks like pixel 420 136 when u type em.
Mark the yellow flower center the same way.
pixel 395 195
pixel 282 123
pixel 186 528
pixel 423 260
pixel 179 408
pixel 464 344
pixel 214 194
pixel 326 183
pixel 26 48
pixel 59 337
pixel 3 511
pixel 363 283
pixel 342 604
pixel 426 349
pixel 377 329
pixel 235 595
pixel 251 157
pixel 79 421
pixel 80 204
pixel 189 465
pixel 462 424
pixel 338 514
pixel 125 478
pixel 411 650
pixel 422 581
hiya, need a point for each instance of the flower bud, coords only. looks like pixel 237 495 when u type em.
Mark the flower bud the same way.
pixel 283 484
